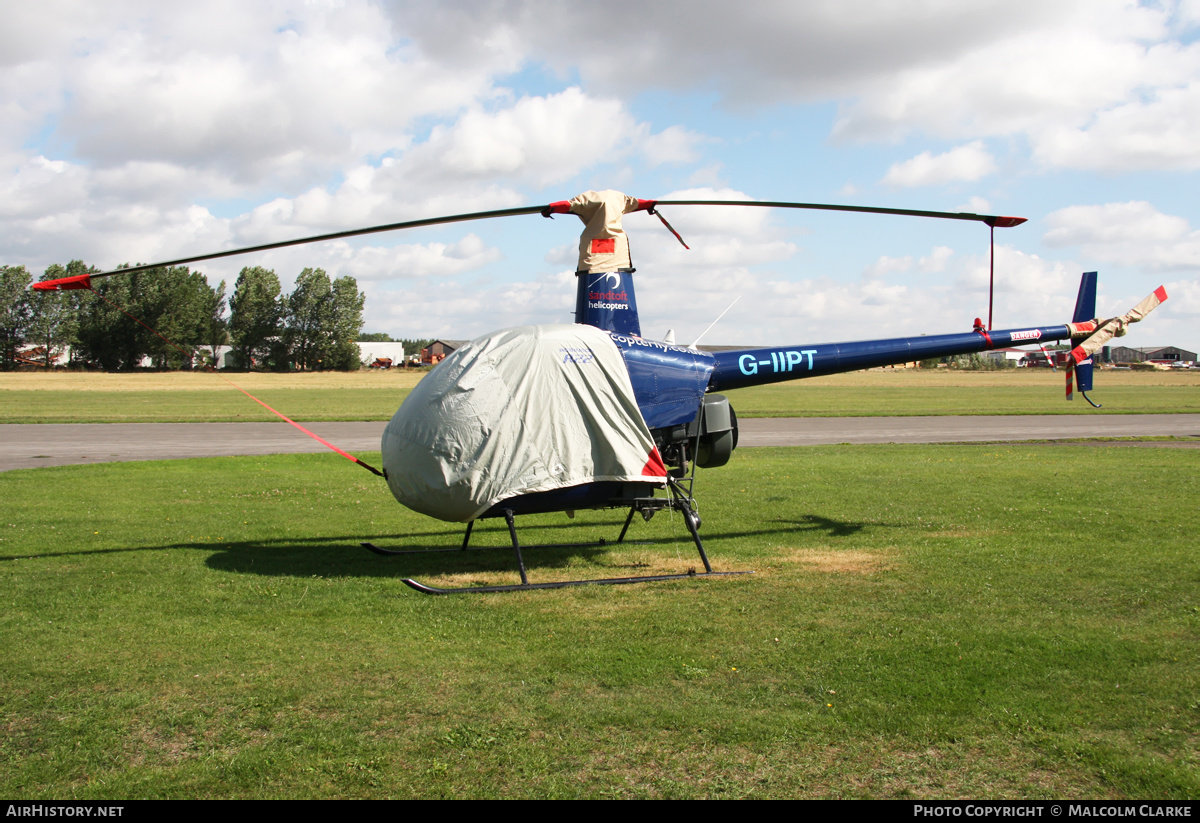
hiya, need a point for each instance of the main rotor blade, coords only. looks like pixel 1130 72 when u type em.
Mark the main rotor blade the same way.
pixel 316 238
pixel 82 281
pixel 990 219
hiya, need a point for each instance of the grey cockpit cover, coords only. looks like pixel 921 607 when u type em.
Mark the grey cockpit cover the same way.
pixel 518 411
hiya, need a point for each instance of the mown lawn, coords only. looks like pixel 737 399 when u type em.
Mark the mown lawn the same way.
pixel 924 621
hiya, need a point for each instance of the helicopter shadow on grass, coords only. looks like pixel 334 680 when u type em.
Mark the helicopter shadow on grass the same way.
pixel 438 551
pixel 801 527
pixel 435 552
pixel 490 552
pixel 829 526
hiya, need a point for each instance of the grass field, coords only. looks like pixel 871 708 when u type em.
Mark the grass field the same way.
pixel 200 397
pixel 925 621
pixel 374 395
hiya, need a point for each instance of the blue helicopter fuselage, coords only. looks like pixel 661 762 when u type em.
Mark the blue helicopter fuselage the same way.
pixel 670 382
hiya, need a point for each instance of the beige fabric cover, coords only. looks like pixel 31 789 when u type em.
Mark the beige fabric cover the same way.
pixel 601 213
pixel 1113 327
pixel 522 410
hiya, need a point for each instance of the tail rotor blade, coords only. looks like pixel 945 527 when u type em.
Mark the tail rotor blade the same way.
pixel 1116 327
pixel 1149 304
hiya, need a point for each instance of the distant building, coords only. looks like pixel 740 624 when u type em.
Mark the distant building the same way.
pixel 438 350
pixel 370 352
pixel 367 352
pixel 1016 355
pixel 1140 354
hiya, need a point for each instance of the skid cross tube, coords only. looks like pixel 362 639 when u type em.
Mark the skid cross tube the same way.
pixel 676 500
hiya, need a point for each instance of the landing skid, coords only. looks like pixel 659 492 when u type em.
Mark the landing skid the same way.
pixel 647 506
pixel 606 581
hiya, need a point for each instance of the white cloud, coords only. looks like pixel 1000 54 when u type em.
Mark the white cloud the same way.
pixel 887 265
pixel 55 211
pixel 710 176
pixel 936 260
pixel 1183 301
pixel 1100 87
pixel 964 163
pixel 1189 12
pixel 1039 282
pixel 137 210
pixel 378 196
pixel 671 145
pixel 763 52
pixel 1154 133
pixel 467 309
pixel 1060 67
pixel 40 186
pixel 1132 233
pixel 740 221
pixel 975 205
pixel 415 261
pixel 257 91
pixel 1112 74
pixel 719 237
pixel 541 140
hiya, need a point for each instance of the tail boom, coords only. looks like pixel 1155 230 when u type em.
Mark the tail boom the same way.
pixel 755 367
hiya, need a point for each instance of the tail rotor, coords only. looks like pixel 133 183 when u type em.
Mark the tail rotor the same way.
pixel 1097 333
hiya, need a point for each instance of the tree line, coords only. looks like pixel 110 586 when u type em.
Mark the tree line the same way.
pixel 314 327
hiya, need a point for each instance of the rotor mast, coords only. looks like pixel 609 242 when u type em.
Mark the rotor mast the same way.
pixel 604 295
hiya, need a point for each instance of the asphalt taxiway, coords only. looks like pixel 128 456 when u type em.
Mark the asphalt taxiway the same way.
pixel 51 444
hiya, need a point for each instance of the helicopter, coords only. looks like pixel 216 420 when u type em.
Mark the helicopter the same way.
pixel 594 415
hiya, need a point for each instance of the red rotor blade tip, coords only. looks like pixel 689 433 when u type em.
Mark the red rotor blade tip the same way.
pixel 1009 222
pixel 79 281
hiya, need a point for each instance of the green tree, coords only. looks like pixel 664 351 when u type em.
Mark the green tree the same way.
pixel 978 362
pixel 323 318
pixel 347 322
pixel 107 338
pixel 183 303
pixel 308 314
pixel 54 318
pixel 15 308
pixel 214 328
pixel 173 301
pixel 256 315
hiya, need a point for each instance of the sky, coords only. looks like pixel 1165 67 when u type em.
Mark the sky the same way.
pixel 143 131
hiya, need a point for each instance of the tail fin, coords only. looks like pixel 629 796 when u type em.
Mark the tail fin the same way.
pixel 1085 309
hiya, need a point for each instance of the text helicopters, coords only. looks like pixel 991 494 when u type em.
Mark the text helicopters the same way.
pixel 593 415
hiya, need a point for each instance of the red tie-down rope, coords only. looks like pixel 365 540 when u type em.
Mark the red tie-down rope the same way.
pixel 84 282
